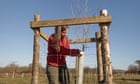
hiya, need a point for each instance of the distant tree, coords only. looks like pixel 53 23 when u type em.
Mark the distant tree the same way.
pixel 138 68
pixel 138 62
pixel 12 67
pixel 132 68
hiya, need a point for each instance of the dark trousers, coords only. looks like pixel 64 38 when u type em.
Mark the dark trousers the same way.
pixel 58 75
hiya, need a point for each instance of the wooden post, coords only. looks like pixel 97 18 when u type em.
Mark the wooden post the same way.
pixel 36 49
pixel 107 67
pixel 99 58
pixel 58 33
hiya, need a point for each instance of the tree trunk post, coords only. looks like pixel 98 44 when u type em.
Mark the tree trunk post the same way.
pixel 107 66
pixel 99 58
pixel 36 52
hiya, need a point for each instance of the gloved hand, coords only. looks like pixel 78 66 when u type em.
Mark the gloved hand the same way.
pixel 81 53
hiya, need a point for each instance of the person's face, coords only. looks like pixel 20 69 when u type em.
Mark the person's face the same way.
pixel 64 33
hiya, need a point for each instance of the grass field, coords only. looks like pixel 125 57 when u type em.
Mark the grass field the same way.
pixel 88 79
pixel 126 79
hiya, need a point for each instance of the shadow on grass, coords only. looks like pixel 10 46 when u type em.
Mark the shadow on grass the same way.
pixel 128 79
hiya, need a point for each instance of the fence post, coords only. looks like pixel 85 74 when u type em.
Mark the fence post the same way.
pixel 36 52
pixel 107 66
pixel 99 57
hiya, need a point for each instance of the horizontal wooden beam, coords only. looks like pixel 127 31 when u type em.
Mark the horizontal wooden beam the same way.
pixel 71 21
pixel 73 41
pixel 86 40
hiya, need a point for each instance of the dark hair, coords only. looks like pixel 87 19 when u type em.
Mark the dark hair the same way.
pixel 57 35
pixel 64 28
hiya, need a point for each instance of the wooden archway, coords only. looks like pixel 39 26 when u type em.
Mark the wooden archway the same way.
pixel 101 39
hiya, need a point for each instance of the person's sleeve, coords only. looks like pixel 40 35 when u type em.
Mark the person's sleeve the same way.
pixel 67 51
pixel 70 52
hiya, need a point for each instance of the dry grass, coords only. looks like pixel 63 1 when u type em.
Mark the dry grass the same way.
pixel 89 78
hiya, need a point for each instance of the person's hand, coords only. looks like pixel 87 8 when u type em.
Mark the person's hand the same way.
pixel 81 53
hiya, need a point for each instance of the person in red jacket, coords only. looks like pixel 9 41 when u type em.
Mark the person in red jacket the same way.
pixel 58 49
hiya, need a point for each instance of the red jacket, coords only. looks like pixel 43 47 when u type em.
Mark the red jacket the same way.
pixel 59 58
